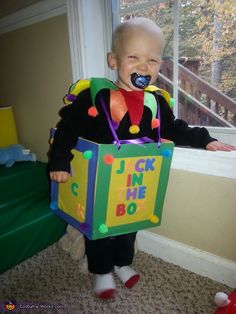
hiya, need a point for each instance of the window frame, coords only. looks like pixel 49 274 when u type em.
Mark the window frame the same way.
pixel 189 159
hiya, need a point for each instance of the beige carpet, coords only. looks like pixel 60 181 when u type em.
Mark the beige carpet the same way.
pixel 52 278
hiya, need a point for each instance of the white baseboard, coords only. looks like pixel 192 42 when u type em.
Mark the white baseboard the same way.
pixel 193 259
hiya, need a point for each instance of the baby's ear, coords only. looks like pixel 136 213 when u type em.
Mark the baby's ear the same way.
pixel 112 60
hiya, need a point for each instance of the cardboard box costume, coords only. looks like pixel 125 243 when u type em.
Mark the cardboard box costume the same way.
pixel 114 188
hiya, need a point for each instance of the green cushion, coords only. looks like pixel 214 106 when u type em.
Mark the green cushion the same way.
pixel 27 225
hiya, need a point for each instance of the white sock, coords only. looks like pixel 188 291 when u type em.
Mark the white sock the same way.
pixel 125 273
pixel 103 283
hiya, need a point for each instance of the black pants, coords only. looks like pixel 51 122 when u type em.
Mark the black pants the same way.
pixel 103 254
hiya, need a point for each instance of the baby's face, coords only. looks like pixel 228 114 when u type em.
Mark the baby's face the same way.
pixel 139 53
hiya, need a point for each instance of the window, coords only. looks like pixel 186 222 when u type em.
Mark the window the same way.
pixel 200 53
pixel 191 30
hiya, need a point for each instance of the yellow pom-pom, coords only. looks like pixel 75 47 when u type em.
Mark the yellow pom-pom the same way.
pixel 154 219
pixel 51 140
pixel 134 129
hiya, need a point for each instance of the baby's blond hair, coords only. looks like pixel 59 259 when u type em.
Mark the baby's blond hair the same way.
pixel 138 23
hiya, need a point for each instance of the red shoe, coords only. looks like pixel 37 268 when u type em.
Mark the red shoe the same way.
pixel 107 294
pixel 229 308
pixel 132 281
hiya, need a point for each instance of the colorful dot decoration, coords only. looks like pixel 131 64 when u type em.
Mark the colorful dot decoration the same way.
pixel 166 153
pixel 155 123
pixel 84 226
pixel 154 219
pixel 92 112
pixel 53 205
pixel 88 154
pixel 172 102
pixel 71 97
pixel 108 159
pixel 103 228
pixel 134 129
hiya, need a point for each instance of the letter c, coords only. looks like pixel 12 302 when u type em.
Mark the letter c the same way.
pixel 137 165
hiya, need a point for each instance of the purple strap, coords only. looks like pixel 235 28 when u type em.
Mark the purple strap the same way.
pixel 103 104
pixel 139 141
pixel 159 127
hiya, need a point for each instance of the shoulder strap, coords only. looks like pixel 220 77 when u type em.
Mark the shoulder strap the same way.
pixel 95 84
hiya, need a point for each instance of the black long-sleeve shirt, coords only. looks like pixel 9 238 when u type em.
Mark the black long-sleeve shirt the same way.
pixel 75 122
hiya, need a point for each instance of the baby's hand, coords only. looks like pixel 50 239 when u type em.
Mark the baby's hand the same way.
pixel 59 176
pixel 215 145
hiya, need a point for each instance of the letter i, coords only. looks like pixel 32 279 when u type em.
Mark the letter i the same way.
pixel 129 177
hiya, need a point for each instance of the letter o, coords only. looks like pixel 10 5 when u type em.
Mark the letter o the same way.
pixel 131 208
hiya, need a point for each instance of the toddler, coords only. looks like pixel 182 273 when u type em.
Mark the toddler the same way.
pixel 136 55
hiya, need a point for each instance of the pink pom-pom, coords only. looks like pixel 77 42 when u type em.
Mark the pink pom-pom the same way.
pixel 92 112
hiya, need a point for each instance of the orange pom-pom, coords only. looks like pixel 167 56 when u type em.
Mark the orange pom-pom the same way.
pixel 92 112
pixel 155 123
pixel 108 159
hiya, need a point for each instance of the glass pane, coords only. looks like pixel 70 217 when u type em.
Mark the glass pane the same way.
pixel 207 58
pixel 130 3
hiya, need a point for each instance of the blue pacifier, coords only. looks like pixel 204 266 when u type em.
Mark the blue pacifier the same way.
pixel 140 81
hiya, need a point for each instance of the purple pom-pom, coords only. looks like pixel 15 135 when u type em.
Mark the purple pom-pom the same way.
pixel 84 227
pixel 71 97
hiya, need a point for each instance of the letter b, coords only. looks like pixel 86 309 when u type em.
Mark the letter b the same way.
pixel 120 209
